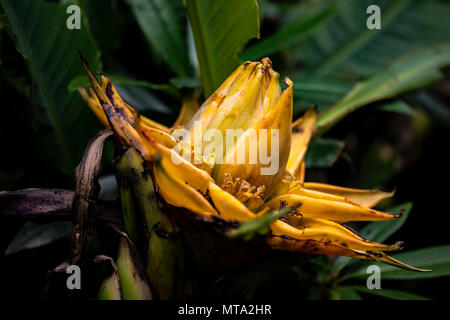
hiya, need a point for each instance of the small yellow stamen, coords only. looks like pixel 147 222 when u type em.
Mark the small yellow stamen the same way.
pixel 257 199
pixel 243 191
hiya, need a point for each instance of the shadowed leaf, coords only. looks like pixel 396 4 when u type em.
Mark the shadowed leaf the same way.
pixel 50 50
pixel 220 28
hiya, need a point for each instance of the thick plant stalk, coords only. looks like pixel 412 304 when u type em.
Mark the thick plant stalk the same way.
pixel 165 255
pixel 130 219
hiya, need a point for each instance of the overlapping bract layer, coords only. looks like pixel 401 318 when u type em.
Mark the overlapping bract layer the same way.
pixel 251 98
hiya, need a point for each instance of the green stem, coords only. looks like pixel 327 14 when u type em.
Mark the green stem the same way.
pixel 165 257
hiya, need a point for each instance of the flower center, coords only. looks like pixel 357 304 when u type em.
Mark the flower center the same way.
pixel 251 196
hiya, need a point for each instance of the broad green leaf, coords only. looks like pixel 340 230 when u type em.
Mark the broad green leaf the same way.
pixel 346 47
pixel 378 231
pixel 435 258
pixel 387 293
pixel 319 91
pixel 323 152
pixel 141 99
pixel 83 81
pixel 344 293
pixel 290 34
pixel 320 88
pixel 324 91
pixel 220 28
pixel 162 22
pixel 410 73
pixel 133 92
pixel 361 38
pixel 33 236
pixel 190 83
pixel 49 48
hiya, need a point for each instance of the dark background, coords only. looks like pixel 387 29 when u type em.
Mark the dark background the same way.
pixel 387 150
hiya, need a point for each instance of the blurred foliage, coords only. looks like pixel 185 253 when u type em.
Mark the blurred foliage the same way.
pixel 156 51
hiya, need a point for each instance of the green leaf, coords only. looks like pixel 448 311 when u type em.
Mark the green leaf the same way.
pixel 190 83
pixel 321 89
pixel 344 293
pixel 387 293
pixel 49 48
pixel 33 235
pixel 378 231
pixel 361 38
pixel 346 46
pixel 412 72
pixel 322 153
pixel 220 28
pixel 435 258
pixel 141 99
pixel 397 106
pixel 83 81
pixel 290 34
pixel 162 23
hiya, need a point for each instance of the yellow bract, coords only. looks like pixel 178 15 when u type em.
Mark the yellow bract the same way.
pixel 250 99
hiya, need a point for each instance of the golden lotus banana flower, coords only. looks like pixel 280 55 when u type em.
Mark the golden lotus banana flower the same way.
pixel 198 169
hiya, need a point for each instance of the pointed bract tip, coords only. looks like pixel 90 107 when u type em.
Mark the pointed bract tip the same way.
pixel 400 214
pixel 274 74
pixel 83 60
pixel 391 193
pixel 399 245
pixel 288 82
pixel 267 62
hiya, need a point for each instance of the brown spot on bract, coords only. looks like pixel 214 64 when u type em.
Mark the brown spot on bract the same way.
pixel 109 92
